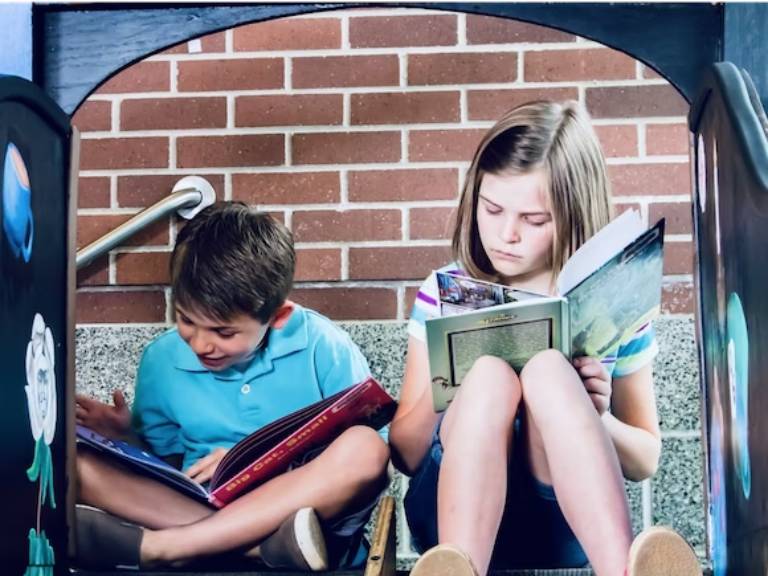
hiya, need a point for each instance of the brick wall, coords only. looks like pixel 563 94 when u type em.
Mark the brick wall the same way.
pixel 354 128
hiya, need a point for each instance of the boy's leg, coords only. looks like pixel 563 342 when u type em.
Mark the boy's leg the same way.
pixel 570 449
pixel 476 435
pixel 347 475
pixel 133 497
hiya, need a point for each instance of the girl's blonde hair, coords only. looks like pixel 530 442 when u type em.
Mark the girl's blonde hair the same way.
pixel 555 137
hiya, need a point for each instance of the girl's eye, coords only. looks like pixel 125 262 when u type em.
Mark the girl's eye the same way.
pixel 538 221
pixel 491 209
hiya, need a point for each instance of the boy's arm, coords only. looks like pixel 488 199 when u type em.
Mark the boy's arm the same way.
pixel 633 424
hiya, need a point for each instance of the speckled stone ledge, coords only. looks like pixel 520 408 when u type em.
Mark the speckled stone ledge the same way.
pixel 106 359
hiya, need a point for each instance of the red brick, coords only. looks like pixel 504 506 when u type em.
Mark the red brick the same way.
pixel 173 113
pixel 289 34
pixel 678 257
pixel 120 307
pixel 492 30
pixel 410 299
pixel 618 141
pixel 210 43
pixel 407 31
pixel 143 268
pixel 678 214
pixel 394 263
pixel 462 68
pixel 122 153
pixel 569 65
pixel 620 207
pixel 443 145
pixel 433 223
pixel 403 185
pixel 349 303
pixel 93 115
pixel 321 264
pixel 286 188
pixel 143 190
pixel 346 226
pixel 650 179
pixel 666 139
pixel 91 228
pixel 139 77
pixel 677 298
pixel 94 274
pixel 93 192
pixel 289 110
pixel 491 104
pixel 405 107
pixel 346 71
pixel 346 147
pixel 245 150
pixel 241 74
pixel 650 73
pixel 635 101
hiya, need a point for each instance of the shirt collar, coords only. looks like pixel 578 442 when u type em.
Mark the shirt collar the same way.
pixel 292 337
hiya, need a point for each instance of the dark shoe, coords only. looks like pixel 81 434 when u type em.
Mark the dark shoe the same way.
pixel 297 544
pixel 660 551
pixel 106 542
pixel 444 560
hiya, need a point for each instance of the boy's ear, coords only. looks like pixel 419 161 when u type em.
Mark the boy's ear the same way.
pixel 281 315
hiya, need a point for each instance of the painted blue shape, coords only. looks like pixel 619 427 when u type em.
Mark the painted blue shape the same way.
pixel 18 221
pixel 738 379
pixel 16 39
pixel 718 532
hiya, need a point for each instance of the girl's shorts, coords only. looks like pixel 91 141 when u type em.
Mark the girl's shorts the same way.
pixel 533 532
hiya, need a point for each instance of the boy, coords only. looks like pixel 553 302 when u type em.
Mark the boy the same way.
pixel 240 357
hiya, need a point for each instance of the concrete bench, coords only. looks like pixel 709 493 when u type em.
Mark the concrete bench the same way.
pixel 107 358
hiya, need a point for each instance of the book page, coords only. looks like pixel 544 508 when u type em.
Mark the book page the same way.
pixel 596 251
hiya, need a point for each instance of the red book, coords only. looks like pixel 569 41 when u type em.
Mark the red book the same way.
pixel 267 452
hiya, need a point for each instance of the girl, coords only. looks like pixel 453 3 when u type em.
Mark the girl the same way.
pixel 526 470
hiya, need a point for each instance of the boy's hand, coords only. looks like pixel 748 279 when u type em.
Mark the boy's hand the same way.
pixel 202 470
pixel 111 421
pixel 596 380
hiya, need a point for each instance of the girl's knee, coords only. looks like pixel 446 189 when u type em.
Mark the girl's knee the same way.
pixel 546 373
pixel 491 381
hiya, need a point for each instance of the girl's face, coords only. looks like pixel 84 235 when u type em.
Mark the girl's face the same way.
pixel 220 345
pixel 516 228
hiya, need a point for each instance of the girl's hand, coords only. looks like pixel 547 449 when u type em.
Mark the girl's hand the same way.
pixel 111 421
pixel 202 470
pixel 596 380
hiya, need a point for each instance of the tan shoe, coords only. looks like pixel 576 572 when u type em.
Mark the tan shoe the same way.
pixel 444 560
pixel 298 544
pixel 660 551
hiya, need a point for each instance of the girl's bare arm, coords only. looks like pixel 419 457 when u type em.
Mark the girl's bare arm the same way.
pixel 634 425
pixel 411 430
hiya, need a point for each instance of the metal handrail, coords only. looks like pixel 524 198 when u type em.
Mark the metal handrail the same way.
pixel 189 196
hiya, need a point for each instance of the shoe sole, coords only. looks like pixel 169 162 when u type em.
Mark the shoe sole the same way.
pixel 443 560
pixel 660 551
pixel 309 538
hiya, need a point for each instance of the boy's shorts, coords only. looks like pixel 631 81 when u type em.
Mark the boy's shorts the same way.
pixel 345 536
pixel 533 532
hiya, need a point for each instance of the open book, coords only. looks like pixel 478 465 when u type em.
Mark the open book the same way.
pixel 267 452
pixel 607 290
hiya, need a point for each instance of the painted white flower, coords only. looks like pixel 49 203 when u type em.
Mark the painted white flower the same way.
pixel 41 381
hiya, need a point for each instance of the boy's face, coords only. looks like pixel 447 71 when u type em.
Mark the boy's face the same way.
pixel 220 345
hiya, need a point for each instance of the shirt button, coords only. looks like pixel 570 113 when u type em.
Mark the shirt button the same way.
pixel 245 389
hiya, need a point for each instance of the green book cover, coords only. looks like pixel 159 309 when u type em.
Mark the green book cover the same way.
pixel 607 290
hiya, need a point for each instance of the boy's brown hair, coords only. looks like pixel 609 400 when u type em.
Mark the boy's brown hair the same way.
pixel 231 260
pixel 554 137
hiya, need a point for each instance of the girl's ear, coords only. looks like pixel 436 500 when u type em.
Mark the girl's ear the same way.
pixel 281 315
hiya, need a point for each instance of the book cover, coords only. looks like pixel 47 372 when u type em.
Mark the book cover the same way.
pixel 608 289
pixel 267 452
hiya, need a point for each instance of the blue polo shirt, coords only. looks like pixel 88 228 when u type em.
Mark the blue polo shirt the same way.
pixel 181 407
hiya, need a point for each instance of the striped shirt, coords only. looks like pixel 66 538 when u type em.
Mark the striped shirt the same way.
pixel 625 358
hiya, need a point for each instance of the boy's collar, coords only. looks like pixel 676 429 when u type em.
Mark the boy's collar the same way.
pixel 292 337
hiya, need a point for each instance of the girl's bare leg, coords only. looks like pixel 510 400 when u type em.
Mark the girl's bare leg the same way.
pixel 131 496
pixel 570 449
pixel 347 474
pixel 476 435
